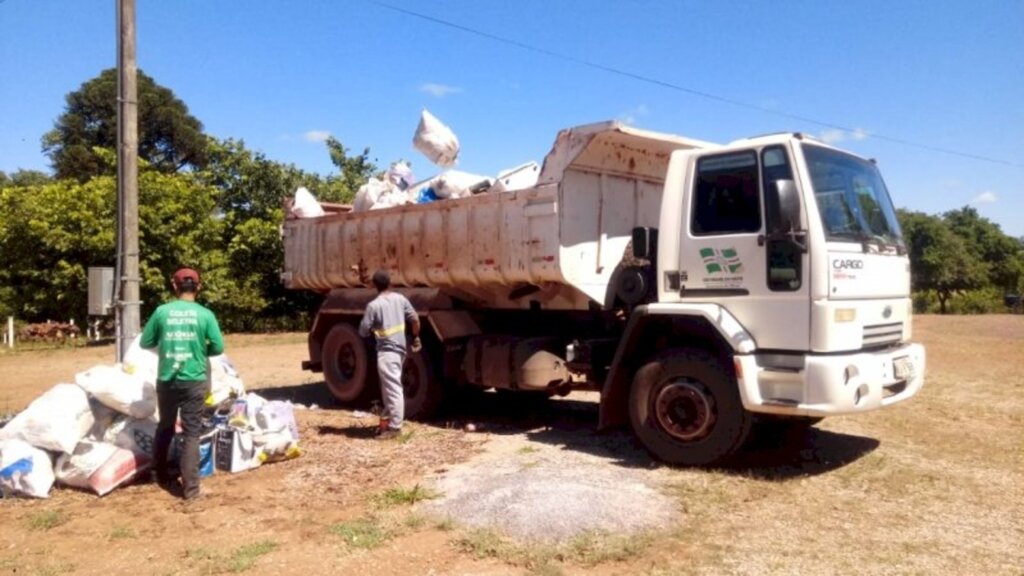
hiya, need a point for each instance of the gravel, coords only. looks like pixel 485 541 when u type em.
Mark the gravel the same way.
pixel 544 492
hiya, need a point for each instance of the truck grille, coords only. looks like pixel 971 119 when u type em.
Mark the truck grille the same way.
pixel 882 334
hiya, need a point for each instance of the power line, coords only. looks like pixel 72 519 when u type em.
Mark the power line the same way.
pixel 680 88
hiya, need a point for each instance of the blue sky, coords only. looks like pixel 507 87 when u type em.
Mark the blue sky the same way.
pixel 281 75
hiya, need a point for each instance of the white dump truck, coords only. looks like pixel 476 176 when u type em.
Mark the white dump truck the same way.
pixel 699 287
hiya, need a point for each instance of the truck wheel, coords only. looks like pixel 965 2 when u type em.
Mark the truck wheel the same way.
pixel 421 386
pixel 686 409
pixel 346 363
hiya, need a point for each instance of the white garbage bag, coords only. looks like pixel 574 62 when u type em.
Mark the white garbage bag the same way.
pixel 368 194
pixel 55 421
pixel 24 470
pixel 305 205
pixel 390 198
pixel 400 174
pixel 75 469
pixel 141 362
pixel 127 393
pixel 456 184
pixel 436 141
pixel 225 382
pixel 138 436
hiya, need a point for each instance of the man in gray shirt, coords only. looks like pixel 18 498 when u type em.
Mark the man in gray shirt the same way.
pixel 386 318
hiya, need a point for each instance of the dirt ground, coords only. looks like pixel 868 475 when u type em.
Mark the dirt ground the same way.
pixel 932 486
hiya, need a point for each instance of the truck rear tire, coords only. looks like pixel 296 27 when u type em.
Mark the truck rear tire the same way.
pixel 686 409
pixel 346 364
pixel 421 386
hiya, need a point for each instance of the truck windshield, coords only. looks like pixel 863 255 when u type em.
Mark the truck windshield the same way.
pixel 852 199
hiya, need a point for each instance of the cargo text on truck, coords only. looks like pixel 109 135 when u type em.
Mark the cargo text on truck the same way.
pixel 698 287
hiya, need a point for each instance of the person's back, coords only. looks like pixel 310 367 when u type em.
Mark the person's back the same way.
pixel 387 314
pixel 184 333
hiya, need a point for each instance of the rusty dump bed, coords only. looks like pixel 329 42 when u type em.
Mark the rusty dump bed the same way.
pixel 556 243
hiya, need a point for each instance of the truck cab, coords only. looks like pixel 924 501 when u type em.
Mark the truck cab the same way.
pixel 790 250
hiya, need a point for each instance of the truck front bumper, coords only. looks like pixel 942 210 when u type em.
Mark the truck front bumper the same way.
pixel 827 385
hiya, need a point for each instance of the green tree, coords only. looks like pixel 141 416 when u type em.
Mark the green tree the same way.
pixel 170 138
pixel 941 260
pixel 50 235
pixel 23 177
pixel 354 170
pixel 1000 252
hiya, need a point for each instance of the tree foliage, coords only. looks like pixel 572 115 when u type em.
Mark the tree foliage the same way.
pixel 960 252
pixel 170 138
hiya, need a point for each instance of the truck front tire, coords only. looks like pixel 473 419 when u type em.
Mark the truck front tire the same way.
pixel 346 363
pixel 685 408
pixel 421 386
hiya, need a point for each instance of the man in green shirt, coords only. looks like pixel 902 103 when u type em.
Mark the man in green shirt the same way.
pixel 184 333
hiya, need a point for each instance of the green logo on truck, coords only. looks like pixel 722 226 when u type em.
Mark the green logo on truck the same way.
pixel 721 260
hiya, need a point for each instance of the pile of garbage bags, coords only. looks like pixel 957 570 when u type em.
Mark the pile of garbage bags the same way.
pixel 399 187
pixel 97 434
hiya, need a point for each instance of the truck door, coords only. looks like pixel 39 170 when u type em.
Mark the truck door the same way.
pixel 726 256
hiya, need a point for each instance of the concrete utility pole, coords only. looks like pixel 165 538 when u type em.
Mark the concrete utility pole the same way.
pixel 127 179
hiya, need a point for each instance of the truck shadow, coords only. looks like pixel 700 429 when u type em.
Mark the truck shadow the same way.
pixel 571 424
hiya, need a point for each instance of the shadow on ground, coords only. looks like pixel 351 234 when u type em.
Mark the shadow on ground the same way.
pixel 571 424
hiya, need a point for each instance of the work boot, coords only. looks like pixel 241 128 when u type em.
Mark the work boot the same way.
pixel 389 433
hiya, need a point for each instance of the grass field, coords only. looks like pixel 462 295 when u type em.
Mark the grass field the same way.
pixel 931 486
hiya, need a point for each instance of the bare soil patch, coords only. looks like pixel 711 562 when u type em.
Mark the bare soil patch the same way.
pixel 933 486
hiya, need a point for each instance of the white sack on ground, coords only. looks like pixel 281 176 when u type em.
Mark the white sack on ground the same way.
pixel 55 421
pixel 436 141
pixel 456 184
pixel 24 470
pixel 75 469
pixel 127 393
pixel 137 436
pixel 141 362
pixel 225 381
pixel 305 205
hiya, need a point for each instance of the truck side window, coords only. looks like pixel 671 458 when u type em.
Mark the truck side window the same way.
pixel 727 199
pixel 785 259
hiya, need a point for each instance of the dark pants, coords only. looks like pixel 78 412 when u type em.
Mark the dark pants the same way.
pixel 189 398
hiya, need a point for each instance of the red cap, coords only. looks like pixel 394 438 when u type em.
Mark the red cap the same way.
pixel 184 274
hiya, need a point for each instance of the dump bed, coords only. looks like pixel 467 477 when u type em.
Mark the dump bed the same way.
pixel 556 243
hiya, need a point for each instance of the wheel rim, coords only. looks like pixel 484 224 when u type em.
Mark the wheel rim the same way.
pixel 684 410
pixel 410 379
pixel 347 362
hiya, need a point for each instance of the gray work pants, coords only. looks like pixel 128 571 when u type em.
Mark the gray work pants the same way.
pixel 389 366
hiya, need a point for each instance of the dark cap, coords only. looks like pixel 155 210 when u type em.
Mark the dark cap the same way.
pixel 185 274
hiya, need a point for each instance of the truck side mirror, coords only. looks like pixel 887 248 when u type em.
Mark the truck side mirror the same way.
pixel 783 207
pixel 645 243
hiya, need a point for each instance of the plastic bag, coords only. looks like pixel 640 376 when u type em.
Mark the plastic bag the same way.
pixel 400 174
pixel 225 381
pixel 456 184
pixel 24 470
pixel 141 362
pixel 121 467
pixel 368 194
pixel 55 421
pixel 276 446
pixel 137 436
pixel 436 141
pixel 127 393
pixel 305 205
pixel 75 469
pixel 390 198
pixel 276 416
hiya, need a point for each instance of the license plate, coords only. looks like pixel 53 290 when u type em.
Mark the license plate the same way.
pixel 903 368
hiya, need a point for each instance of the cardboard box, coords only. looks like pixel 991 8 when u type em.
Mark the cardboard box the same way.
pixel 235 451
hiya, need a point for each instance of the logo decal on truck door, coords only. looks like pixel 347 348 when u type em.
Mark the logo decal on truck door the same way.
pixel 721 261
pixel 723 267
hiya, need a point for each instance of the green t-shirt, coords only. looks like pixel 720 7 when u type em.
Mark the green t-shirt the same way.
pixel 185 333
